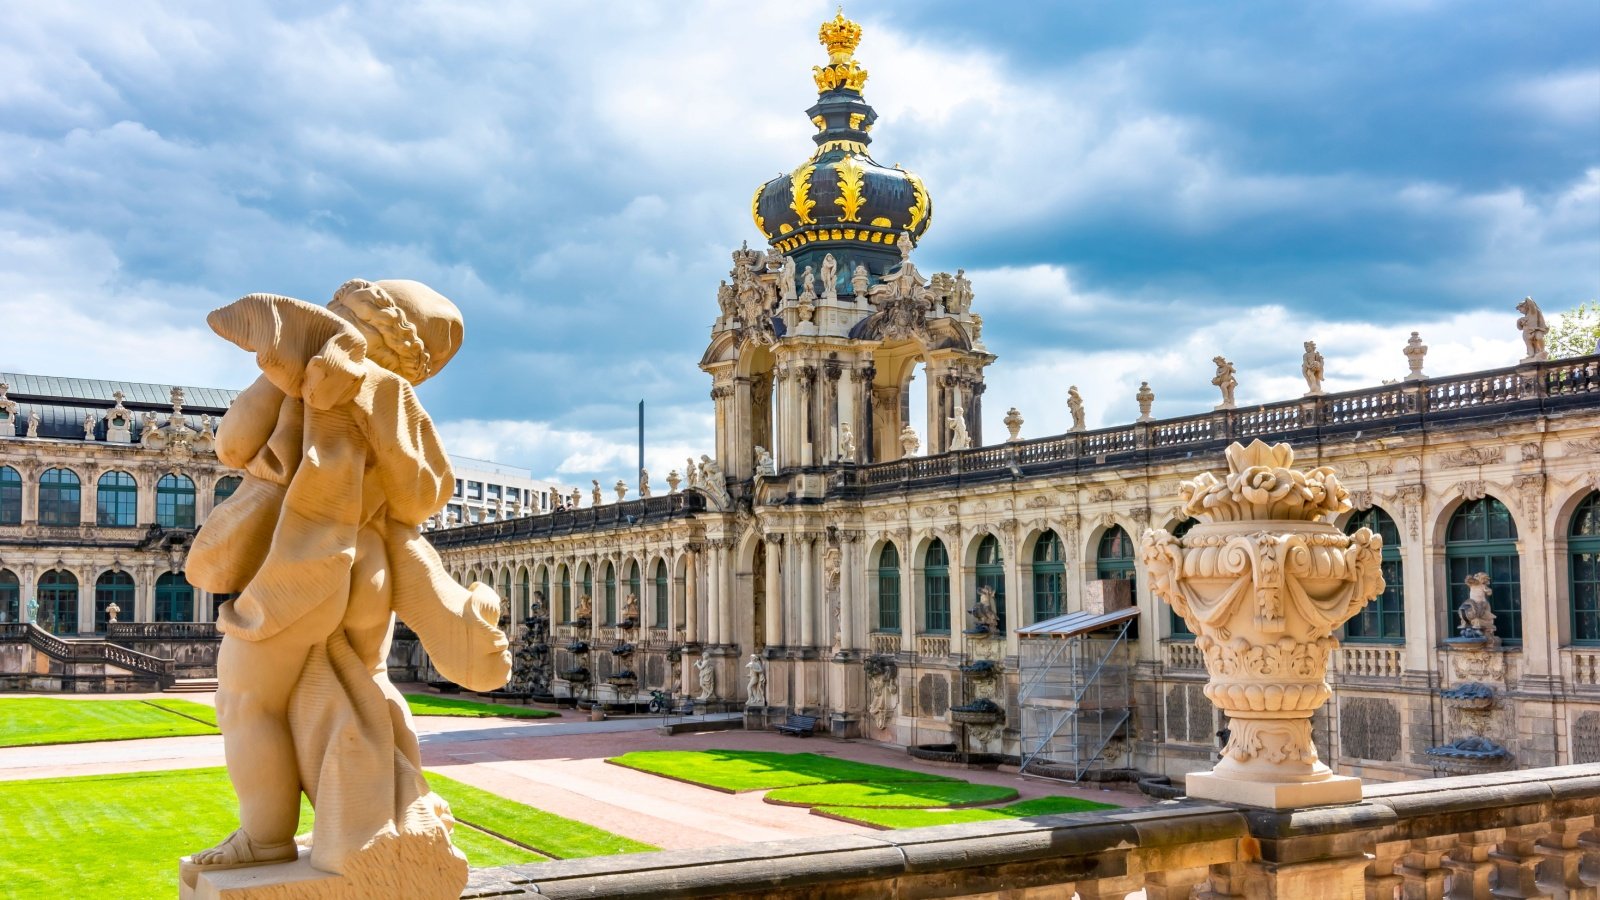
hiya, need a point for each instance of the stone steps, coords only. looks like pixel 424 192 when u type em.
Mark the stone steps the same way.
pixel 192 686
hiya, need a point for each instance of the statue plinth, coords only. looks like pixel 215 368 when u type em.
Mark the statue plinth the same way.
pixel 1263 581
pixel 296 879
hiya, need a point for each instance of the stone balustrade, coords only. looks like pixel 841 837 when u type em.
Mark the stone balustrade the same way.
pixel 1582 666
pixel 1511 834
pixel 933 645
pixel 885 643
pixel 1177 654
pixel 1370 661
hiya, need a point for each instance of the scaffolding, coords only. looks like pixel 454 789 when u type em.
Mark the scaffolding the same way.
pixel 1076 695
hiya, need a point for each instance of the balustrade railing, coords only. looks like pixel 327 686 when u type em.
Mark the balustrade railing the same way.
pixel 1370 661
pixel 1182 655
pixel 1583 666
pixel 884 643
pixel 610 515
pixel 122 631
pixel 91 651
pixel 933 645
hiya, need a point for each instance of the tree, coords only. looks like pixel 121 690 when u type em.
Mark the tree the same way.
pixel 1575 332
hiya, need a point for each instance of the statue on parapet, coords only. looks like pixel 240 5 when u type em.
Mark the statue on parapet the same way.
pixel 1075 407
pixel 321 544
pixel 959 439
pixel 1534 329
pixel 1312 366
pixel 1226 381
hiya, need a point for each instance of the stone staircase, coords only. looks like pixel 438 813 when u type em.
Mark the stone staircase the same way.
pixel 191 686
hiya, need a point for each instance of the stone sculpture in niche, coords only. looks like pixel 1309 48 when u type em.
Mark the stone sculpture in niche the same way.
pixel 1534 329
pixel 764 462
pixel 321 544
pixel 847 442
pixel 756 686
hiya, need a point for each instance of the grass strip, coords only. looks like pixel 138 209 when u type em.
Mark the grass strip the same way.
pixel 32 721
pixel 894 795
pixel 430 705
pixel 735 771
pixel 920 818
pixel 544 832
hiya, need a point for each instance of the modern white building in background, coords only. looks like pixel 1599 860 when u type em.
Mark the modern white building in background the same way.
pixel 491 492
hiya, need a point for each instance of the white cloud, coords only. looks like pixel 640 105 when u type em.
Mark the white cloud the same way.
pixel 1569 98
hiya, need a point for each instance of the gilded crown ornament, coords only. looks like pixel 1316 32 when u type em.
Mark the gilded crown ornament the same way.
pixel 840 36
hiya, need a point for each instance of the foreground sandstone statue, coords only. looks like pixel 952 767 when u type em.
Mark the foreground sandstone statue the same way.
pixel 1264 581
pixel 321 544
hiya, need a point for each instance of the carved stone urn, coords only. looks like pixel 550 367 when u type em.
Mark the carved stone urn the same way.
pixel 1263 581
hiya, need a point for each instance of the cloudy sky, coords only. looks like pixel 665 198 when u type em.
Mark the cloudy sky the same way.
pixel 1132 187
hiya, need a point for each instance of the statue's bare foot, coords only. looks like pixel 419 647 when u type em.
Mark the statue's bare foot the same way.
pixel 238 851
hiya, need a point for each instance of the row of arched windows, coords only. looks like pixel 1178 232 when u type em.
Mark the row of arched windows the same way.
pixel 1481 537
pixel 58 596
pixel 654 597
pixel 116 498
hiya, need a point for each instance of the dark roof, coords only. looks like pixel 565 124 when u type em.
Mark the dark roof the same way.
pixel 74 391
pixel 1077 623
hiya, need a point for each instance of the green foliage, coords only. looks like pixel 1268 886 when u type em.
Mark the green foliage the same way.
pixel 895 795
pixel 547 833
pixel 1574 332
pixel 431 705
pixel 919 818
pixel 27 721
pixel 755 770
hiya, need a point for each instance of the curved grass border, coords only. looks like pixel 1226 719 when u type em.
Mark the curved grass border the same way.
pixel 694 767
pixel 893 795
pixel 889 819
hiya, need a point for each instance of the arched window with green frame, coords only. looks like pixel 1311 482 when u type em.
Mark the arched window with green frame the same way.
pixel 109 588
pixel 60 499
pixel 174 598
pixel 225 487
pixel 1583 570
pixel 888 617
pixel 611 595
pixel 1384 619
pixel 1482 537
pixel 10 596
pixel 509 599
pixel 544 595
pixel 566 594
pixel 58 602
pixel 662 598
pixel 1114 557
pixel 175 501
pixel 10 496
pixel 634 587
pixel 936 589
pixel 990 572
pixel 1176 626
pixel 525 582
pixel 1049 576
pixel 586 591
pixel 116 500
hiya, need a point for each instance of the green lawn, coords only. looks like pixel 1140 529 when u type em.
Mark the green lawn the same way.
pixel 918 818
pixel 734 771
pixel 27 721
pixel 895 795
pixel 432 705
pixel 137 825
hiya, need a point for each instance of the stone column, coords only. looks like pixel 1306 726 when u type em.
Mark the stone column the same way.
pixel 145 593
pixel 29 587
pixel 714 593
pixel 30 492
pixel 86 577
pixel 89 491
pixel 850 633
pixel 1540 636
pixel 1264 581
pixel 691 595
pixel 847 413
pixel 741 461
pixel 725 606
pixel 807 415
pixel 774 589
pixel 807 600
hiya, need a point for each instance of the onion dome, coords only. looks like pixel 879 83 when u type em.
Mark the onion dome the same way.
pixel 841 200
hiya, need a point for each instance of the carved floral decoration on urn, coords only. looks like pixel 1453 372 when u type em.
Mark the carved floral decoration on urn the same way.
pixel 1264 581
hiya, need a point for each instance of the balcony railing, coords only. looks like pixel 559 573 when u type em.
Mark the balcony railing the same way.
pixel 162 631
pixel 626 514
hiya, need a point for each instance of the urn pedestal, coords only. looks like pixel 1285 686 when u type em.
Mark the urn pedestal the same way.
pixel 1263 581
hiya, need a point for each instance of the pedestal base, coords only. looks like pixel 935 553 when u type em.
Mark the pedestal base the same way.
pixel 285 880
pixel 1334 790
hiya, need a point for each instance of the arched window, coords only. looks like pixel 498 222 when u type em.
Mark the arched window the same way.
pixel 888 589
pixel 506 596
pixel 175 503
pixel 634 586
pixel 1583 554
pixel 59 496
pixel 10 496
pixel 226 485
pixel 1114 557
pixel 936 589
pixel 526 581
pixel 991 573
pixel 1482 538
pixel 1049 574
pixel 10 596
pixel 116 500
pixel 587 588
pixel 566 594
pixel 544 594
pixel 174 598
pixel 1179 628
pixel 109 588
pixel 58 602
pixel 1384 619
pixel 661 597
pixel 611 595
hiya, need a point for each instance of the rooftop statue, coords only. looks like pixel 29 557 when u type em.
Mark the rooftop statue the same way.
pixel 321 543
pixel 1534 329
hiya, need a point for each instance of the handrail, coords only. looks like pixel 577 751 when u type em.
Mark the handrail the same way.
pixel 98 651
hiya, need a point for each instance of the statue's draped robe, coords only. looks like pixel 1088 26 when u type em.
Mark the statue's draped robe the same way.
pixel 342 464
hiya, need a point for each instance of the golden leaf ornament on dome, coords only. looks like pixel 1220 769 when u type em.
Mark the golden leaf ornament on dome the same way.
pixel 849 199
pixel 800 187
pixel 919 202
pixel 755 213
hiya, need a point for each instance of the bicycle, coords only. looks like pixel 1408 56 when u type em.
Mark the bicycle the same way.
pixel 660 702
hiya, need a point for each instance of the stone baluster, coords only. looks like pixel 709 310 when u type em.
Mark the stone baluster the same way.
pixel 1176 884
pixel 1563 849
pixel 1383 881
pixel 1469 864
pixel 1516 859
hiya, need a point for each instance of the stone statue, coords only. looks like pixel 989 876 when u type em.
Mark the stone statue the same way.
pixel 756 684
pixel 847 442
pixel 621 487
pixel 909 442
pixel 88 426
pixel 673 480
pixel 764 463
pixel 33 609
pixel 1311 367
pixel 644 483
pixel 112 611
pixel 860 281
pixel 786 289
pixel 1225 381
pixel 1013 423
pixel 1477 618
pixel 8 412
pixel 584 614
pixel 1415 350
pixel 630 610
pixel 1533 329
pixel 959 440
pixel 692 472
pixel 595 494
pixel 725 298
pixel 963 293
pixel 984 612
pixel 829 276
pixel 809 279
pixel 323 552
pixel 33 423
pixel 712 480
pixel 1145 397
pixel 1075 406
pixel 883 690
pixel 706 672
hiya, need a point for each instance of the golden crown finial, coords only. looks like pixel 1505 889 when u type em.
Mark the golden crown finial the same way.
pixel 840 36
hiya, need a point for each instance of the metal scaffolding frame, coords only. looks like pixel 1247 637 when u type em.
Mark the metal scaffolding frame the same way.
pixel 1076 694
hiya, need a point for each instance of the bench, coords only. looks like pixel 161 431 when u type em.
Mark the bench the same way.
pixel 799 726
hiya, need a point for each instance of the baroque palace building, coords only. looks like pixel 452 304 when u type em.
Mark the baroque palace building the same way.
pixel 830 552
